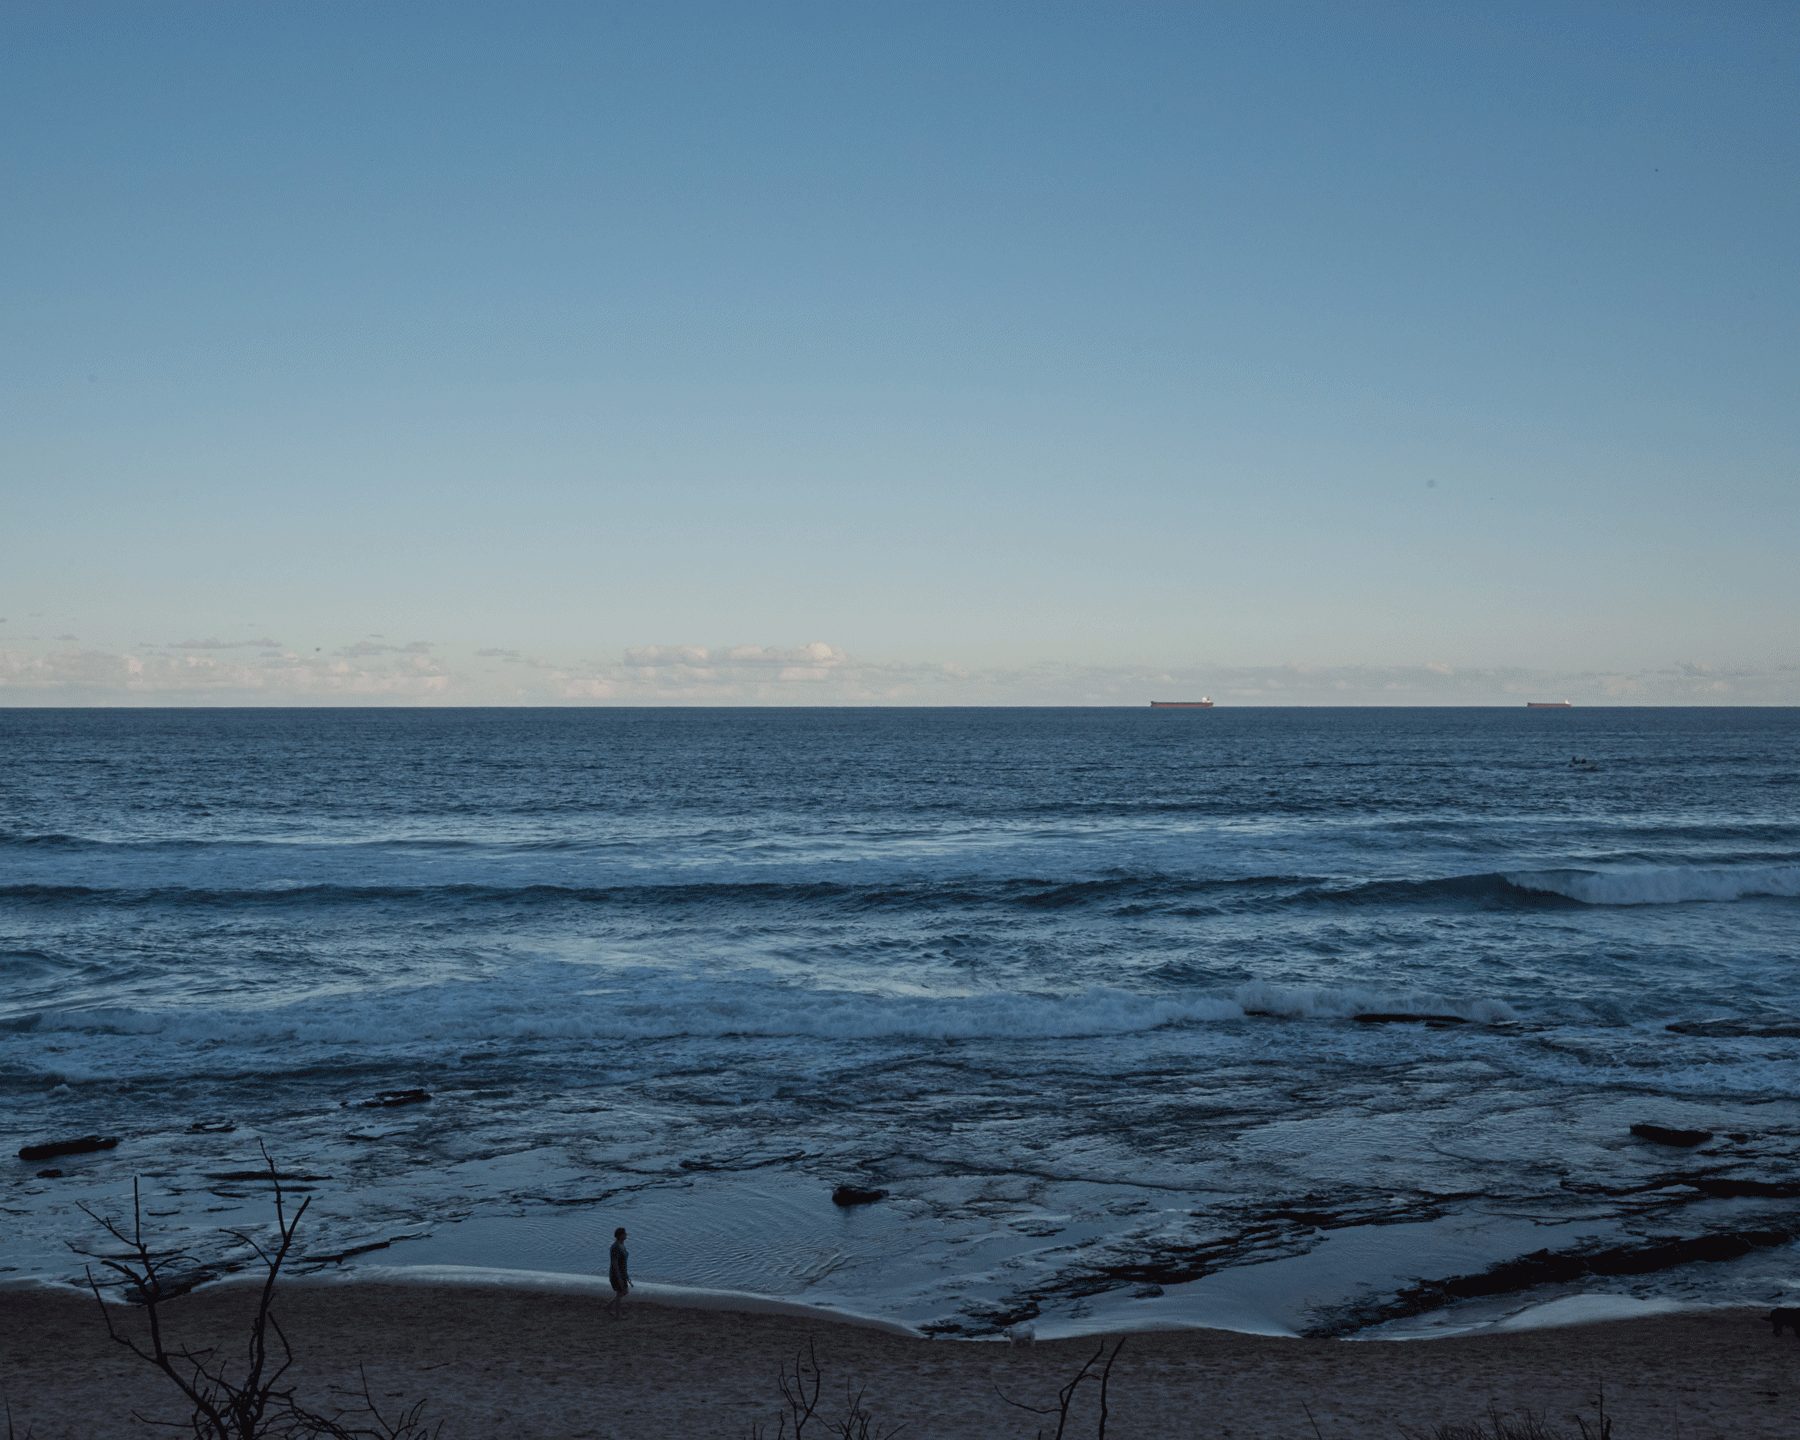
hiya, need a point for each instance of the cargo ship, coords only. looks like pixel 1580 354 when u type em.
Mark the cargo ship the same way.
pixel 1547 705
pixel 1203 703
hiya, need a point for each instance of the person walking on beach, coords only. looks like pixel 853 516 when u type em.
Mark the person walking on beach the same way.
pixel 618 1273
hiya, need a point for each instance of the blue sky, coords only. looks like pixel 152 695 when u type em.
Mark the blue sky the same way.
pixel 914 353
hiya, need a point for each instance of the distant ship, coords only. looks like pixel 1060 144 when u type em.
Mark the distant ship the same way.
pixel 1203 703
pixel 1546 704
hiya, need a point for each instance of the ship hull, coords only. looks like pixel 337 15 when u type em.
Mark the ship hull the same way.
pixel 1181 704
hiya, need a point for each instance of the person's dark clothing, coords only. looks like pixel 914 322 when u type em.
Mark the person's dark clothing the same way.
pixel 618 1274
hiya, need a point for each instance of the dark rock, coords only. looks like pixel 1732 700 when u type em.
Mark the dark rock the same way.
pixel 85 1145
pixel 211 1127
pixel 51 1174
pixel 847 1195
pixel 1668 1135
pixel 1724 1187
pixel 1316 1219
pixel 1405 1017
pixel 741 1162
pixel 1147 1292
pixel 387 1099
pixel 283 1176
pixel 1737 1029
pixel 337 1257
pixel 1559 1267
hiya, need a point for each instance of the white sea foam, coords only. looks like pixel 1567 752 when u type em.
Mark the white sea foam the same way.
pixel 1295 1002
pixel 1663 884
pixel 1590 1310
pixel 574 1004
pixel 472 1012
pixel 1482 1318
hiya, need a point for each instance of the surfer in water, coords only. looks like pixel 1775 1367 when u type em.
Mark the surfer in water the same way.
pixel 618 1273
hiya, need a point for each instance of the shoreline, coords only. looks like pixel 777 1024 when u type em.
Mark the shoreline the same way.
pixel 1556 1312
pixel 495 1356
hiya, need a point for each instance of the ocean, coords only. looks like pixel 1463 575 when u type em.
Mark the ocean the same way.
pixel 1330 1022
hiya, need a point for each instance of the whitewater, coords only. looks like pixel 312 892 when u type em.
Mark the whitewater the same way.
pixel 1327 1022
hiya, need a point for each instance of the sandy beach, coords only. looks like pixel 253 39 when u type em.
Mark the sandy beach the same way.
pixel 500 1360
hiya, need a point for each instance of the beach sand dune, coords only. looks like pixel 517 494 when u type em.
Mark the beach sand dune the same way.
pixel 528 1362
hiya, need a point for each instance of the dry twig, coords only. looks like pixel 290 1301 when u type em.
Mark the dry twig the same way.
pixel 226 1403
pixel 801 1384
pixel 1065 1397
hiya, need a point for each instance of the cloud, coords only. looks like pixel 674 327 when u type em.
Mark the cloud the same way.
pixel 374 671
pixel 652 656
pixel 508 656
pixel 264 644
pixel 740 660
pixel 725 674
pixel 107 677
pixel 362 649
pixel 67 668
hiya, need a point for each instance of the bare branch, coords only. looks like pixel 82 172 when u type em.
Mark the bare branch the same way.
pixel 1021 1405
pixel 1065 1397
pixel 11 1433
pixel 253 1404
pixel 1105 1381
pixel 800 1387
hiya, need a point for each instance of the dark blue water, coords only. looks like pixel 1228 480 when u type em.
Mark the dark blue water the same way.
pixel 1081 988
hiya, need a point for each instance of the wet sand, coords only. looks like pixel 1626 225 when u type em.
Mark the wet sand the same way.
pixel 534 1362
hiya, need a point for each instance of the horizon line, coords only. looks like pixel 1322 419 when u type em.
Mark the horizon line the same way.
pixel 1140 705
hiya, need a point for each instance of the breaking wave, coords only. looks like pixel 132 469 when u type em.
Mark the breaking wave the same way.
pixel 565 1009
pixel 1617 885
pixel 1664 884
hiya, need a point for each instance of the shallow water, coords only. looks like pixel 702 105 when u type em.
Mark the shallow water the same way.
pixel 1079 988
